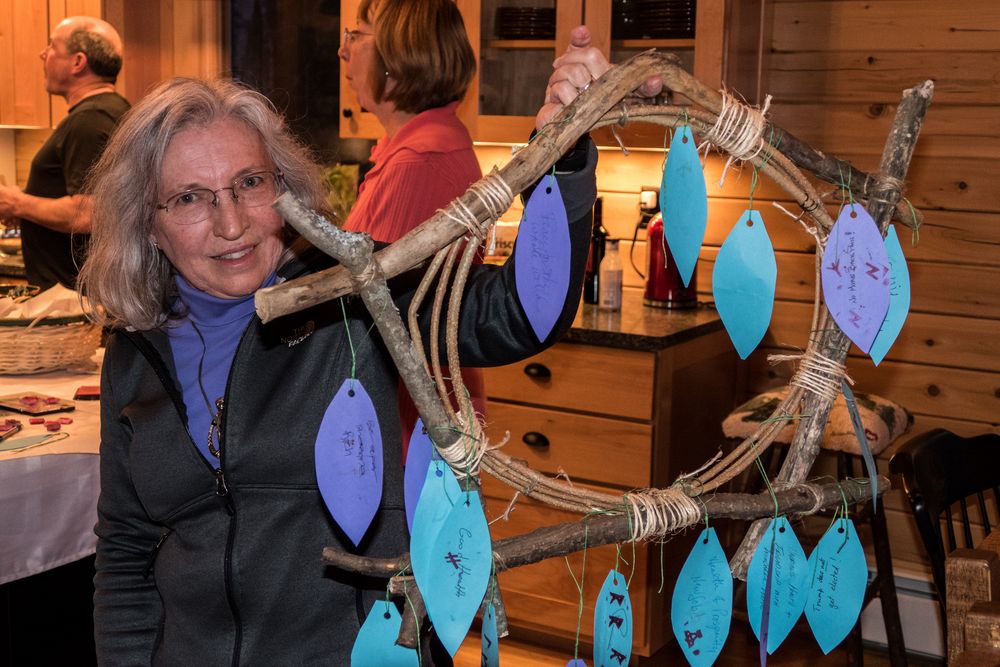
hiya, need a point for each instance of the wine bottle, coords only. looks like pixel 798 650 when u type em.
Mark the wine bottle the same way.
pixel 592 276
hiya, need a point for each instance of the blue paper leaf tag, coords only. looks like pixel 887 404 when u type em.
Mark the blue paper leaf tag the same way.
pixel 541 257
pixel 376 645
pixel 490 649
pixel 349 459
pixel 789 582
pixel 743 281
pixel 899 298
pixel 702 606
pixel 684 202
pixel 440 492
pixel 459 571
pixel 576 662
pixel 859 433
pixel 418 458
pixel 839 576
pixel 855 273
pixel 613 622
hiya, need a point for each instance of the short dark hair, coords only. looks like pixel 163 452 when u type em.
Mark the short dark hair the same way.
pixel 102 58
pixel 423 46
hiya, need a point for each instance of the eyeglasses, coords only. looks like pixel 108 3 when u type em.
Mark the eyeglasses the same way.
pixel 248 191
pixel 351 35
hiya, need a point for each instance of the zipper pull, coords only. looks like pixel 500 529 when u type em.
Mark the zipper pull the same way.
pixel 222 491
pixel 152 554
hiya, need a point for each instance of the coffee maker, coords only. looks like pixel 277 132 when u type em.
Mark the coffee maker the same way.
pixel 664 287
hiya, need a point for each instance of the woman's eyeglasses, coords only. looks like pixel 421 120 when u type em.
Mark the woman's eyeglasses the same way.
pixel 248 191
pixel 351 35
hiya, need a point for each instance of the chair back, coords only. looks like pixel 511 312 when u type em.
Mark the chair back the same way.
pixel 942 471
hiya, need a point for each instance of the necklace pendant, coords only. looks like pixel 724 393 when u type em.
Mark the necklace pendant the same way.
pixel 216 428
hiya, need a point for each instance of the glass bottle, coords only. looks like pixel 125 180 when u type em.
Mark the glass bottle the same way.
pixel 592 276
pixel 611 278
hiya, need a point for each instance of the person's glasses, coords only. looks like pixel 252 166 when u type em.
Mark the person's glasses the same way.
pixel 248 191
pixel 351 35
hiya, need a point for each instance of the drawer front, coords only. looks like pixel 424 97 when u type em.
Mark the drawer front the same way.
pixel 543 597
pixel 597 449
pixel 580 377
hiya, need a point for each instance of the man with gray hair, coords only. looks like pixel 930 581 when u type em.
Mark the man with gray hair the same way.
pixel 81 64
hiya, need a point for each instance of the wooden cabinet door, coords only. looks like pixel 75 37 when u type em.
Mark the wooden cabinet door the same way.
pixel 24 32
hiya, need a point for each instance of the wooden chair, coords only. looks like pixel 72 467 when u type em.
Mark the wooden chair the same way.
pixel 883 421
pixel 940 471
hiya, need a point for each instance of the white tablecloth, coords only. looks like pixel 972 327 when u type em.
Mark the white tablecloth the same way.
pixel 48 494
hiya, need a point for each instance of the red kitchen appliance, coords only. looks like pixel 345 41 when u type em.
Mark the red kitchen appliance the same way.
pixel 664 287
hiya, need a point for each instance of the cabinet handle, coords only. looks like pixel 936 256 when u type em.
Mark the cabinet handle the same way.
pixel 535 439
pixel 537 371
pixel 347 113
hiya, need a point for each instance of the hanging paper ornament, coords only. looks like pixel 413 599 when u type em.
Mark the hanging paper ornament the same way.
pixel 576 662
pixel 899 298
pixel 376 645
pixel 859 434
pixel 418 458
pixel 743 282
pixel 490 656
pixel 788 576
pixel 349 459
pixel 541 257
pixel 684 202
pixel 439 493
pixel 838 579
pixel 702 606
pixel 855 273
pixel 458 571
pixel 613 622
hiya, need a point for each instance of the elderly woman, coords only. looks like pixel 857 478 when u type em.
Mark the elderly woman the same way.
pixel 210 520
pixel 413 84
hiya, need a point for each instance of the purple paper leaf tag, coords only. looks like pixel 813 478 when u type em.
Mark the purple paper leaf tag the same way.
pixel 376 646
pixel 684 202
pixel 541 257
pixel 702 605
pixel 782 578
pixel 418 457
pixel 349 459
pixel 899 298
pixel 459 571
pixel 490 656
pixel 743 282
pixel 613 622
pixel 838 579
pixel 439 494
pixel 576 662
pixel 855 273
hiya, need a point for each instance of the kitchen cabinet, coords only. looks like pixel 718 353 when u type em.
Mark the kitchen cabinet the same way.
pixel 510 82
pixel 24 32
pixel 632 400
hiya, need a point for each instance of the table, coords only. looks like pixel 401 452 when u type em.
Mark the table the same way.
pixel 48 494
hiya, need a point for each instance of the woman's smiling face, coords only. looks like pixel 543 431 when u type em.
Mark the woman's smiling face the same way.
pixel 232 252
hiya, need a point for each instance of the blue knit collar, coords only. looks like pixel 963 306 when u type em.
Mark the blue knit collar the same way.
pixel 212 311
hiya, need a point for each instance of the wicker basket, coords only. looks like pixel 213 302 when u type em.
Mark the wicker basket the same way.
pixel 51 344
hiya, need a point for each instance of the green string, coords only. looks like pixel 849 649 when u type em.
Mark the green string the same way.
pixel 770 489
pixel 350 341
pixel 915 234
pixel 579 588
pixel 755 178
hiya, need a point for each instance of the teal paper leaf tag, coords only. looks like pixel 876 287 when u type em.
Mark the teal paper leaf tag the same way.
pixel 859 433
pixel 855 274
pixel 458 572
pixel 541 257
pixel 743 281
pixel 899 298
pixel 684 202
pixel 348 455
pixel 613 622
pixel 789 583
pixel 440 492
pixel 839 576
pixel 702 606
pixel 490 656
pixel 376 645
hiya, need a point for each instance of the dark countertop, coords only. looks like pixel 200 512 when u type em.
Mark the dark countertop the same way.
pixel 639 327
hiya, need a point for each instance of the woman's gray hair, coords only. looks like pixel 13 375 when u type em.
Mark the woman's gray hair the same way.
pixel 127 280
